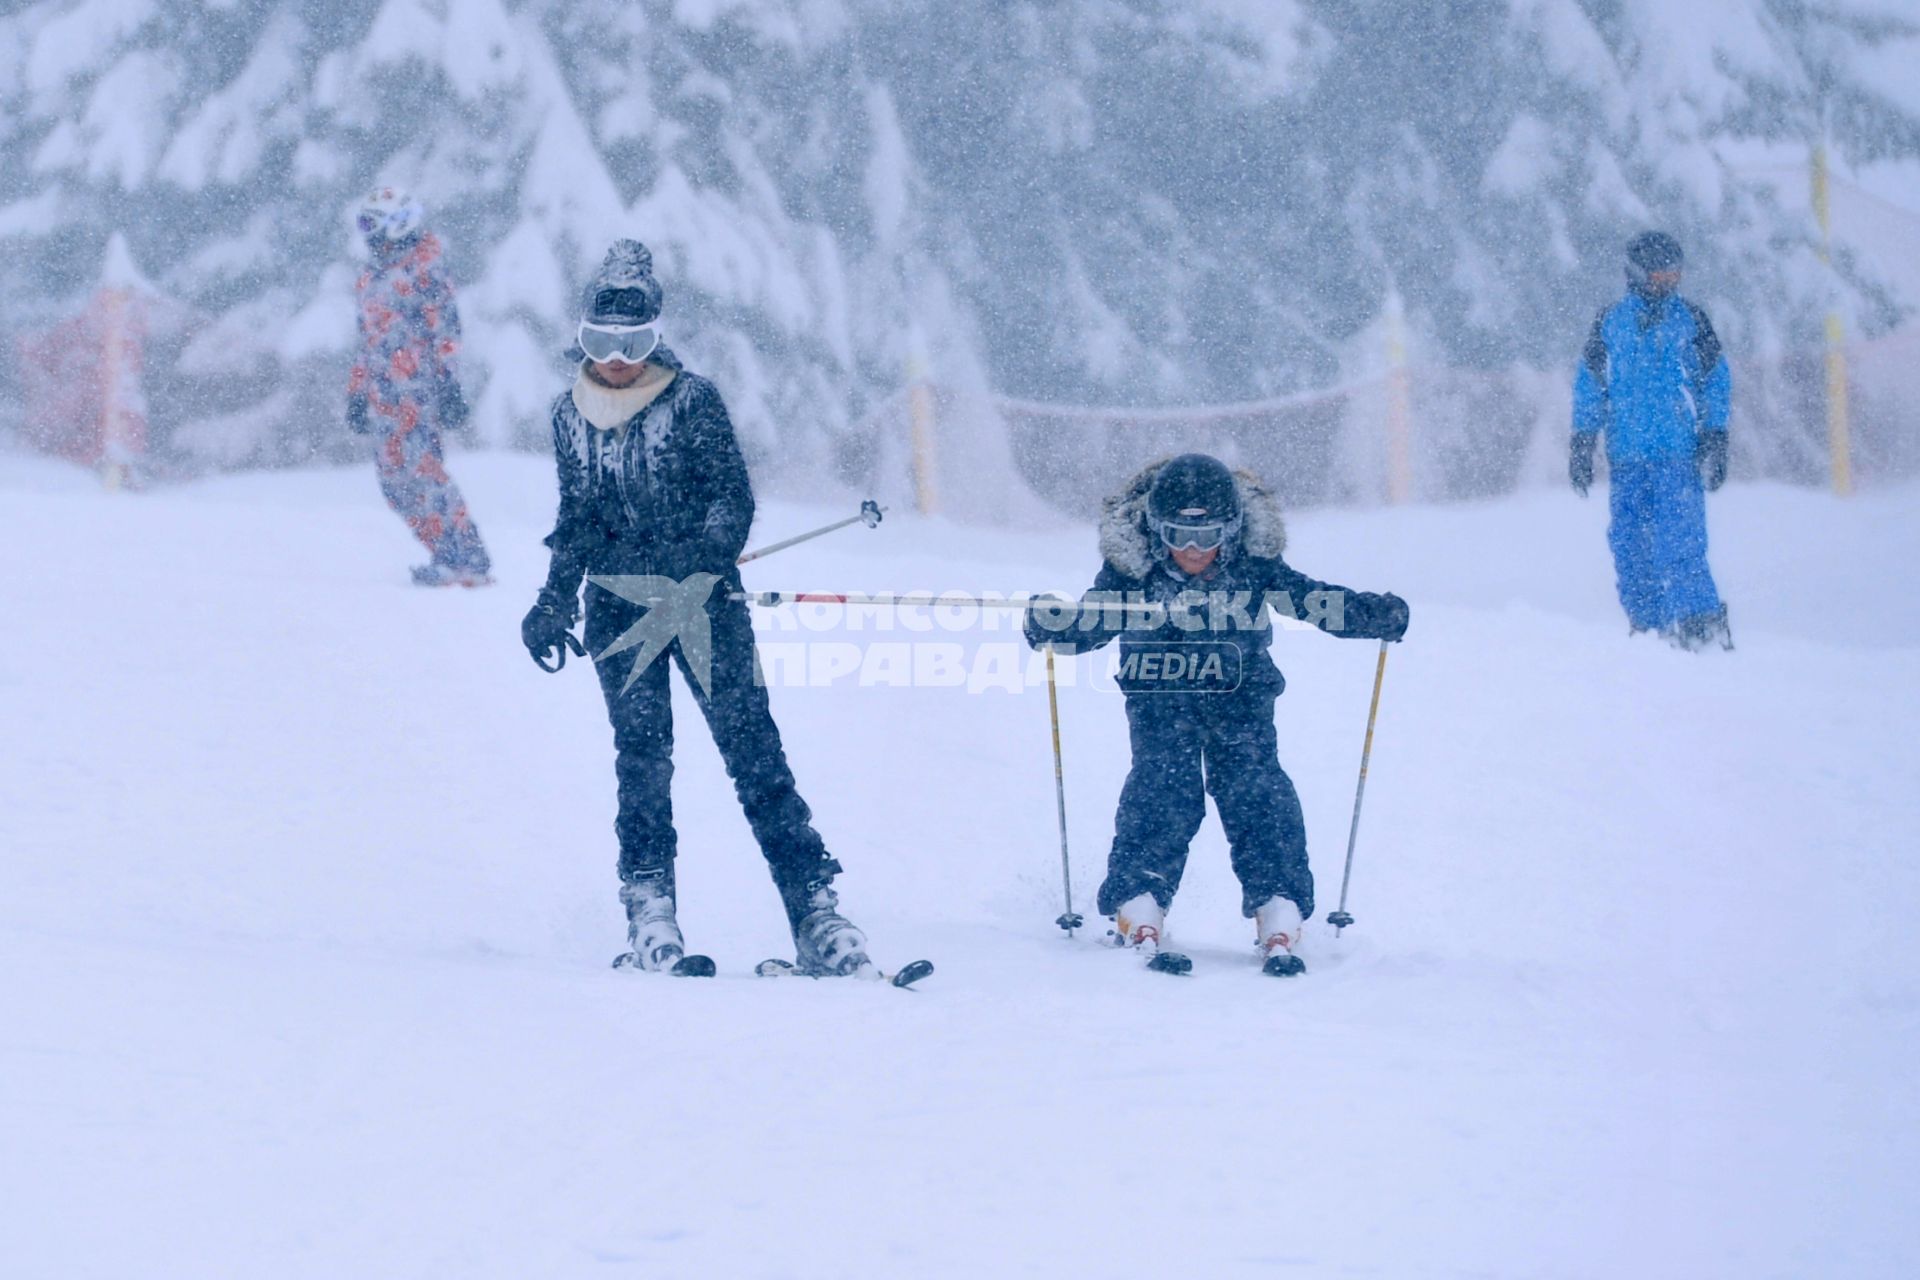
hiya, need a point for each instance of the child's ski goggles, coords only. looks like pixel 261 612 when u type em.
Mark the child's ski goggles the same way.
pixel 1181 536
pixel 618 343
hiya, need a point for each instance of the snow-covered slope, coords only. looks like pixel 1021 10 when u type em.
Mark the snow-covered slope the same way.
pixel 307 905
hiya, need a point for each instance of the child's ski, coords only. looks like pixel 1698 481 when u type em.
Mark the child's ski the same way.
pixel 1282 965
pixel 1169 962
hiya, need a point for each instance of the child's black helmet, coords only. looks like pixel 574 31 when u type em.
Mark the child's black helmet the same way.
pixel 1194 502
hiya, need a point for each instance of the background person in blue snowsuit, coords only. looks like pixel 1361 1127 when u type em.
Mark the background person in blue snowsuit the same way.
pixel 1204 543
pixel 1654 379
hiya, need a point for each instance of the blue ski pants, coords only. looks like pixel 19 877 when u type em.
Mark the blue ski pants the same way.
pixel 1659 538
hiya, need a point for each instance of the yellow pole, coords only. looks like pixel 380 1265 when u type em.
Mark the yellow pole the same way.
pixel 1399 414
pixel 1838 442
pixel 921 414
pixel 1839 446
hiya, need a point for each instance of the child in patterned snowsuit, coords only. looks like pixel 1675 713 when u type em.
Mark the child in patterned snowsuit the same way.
pixel 403 389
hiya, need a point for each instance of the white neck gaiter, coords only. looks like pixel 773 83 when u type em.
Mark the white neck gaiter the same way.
pixel 610 407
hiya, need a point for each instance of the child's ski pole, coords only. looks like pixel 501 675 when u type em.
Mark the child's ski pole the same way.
pixel 1340 919
pixel 1069 919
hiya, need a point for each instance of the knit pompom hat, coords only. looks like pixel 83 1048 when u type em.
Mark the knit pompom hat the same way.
pixel 623 291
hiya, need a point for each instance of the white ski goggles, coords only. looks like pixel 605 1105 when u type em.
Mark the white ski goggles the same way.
pixel 617 343
pixel 1200 536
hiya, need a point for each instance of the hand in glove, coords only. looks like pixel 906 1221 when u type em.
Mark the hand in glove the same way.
pixel 1710 455
pixel 1580 461
pixel 1057 610
pixel 1394 615
pixel 547 627
pixel 357 415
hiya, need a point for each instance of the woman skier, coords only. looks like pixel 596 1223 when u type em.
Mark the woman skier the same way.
pixel 655 507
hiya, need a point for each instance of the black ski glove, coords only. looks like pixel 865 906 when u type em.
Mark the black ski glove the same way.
pixel 1054 609
pixel 453 404
pixel 547 627
pixel 1580 461
pixel 1710 455
pixel 357 415
pixel 1391 616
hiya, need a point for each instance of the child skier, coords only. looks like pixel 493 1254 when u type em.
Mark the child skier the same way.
pixel 1200 547
pixel 652 487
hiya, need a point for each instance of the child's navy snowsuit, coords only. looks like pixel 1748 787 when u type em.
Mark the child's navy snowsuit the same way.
pixel 1200 688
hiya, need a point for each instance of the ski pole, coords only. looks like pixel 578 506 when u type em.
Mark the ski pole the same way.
pixel 870 513
pixel 1340 919
pixel 923 600
pixel 1069 919
pixel 920 600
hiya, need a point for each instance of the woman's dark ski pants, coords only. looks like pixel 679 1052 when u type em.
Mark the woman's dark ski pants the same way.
pixel 741 721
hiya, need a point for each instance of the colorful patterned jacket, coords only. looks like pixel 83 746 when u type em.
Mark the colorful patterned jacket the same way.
pixel 409 333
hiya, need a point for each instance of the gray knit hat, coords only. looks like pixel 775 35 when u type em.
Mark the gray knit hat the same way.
pixel 623 291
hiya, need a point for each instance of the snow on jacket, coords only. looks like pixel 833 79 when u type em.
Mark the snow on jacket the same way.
pixel 1223 610
pixel 409 333
pixel 664 492
pixel 1652 377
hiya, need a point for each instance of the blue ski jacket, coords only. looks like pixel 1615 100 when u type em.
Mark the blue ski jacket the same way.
pixel 1653 377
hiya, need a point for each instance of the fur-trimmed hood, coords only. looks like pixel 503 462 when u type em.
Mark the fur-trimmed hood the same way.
pixel 1127 543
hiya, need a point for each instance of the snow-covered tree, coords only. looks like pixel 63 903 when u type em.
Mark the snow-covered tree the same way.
pixel 1142 201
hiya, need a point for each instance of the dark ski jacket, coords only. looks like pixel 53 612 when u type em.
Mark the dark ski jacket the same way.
pixel 1214 635
pixel 665 493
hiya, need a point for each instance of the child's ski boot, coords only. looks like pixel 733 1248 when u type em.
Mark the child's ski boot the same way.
pixel 1137 926
pixel 1277 927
